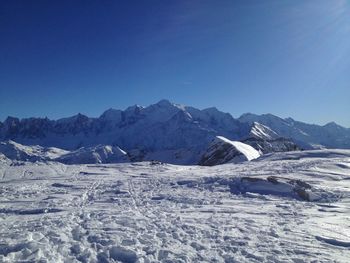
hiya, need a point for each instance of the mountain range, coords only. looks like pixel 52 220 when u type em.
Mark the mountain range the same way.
pixel 163 131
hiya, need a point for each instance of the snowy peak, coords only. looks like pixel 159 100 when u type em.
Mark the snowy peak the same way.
pixel 136 109
pixel 265 140
pixel 74 125
pixel 264 119
pixel 10 126
pixel 172 128
pixel 111 115
pixel 333 125
pixel 164 103
pixel 11 121
pixel 213 111
pixel 262 132
pixel 161 111
pixel 308 136
pixel 78 118
pixel 222 150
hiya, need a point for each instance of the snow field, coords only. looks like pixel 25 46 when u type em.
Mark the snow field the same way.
pixel 153 212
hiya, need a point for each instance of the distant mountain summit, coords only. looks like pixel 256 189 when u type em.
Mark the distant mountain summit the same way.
pixel 265 140
pixel 307 136
pixel 164 131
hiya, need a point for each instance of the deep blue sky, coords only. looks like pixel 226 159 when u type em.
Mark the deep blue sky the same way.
pixel 286 57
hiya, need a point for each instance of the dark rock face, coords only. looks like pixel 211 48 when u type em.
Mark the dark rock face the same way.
pixel 275 145
pixel 266 140
pixel 34 127
pixel 222 150
pixel 10 128
pixel 219 155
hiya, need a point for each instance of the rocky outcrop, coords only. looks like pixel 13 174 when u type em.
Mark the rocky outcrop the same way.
pixel 221 150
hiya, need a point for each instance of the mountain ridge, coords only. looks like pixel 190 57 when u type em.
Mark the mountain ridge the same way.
pixel 111 110
pixel 170 131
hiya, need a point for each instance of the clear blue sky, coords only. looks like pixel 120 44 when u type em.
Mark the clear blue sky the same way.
pixel 285 57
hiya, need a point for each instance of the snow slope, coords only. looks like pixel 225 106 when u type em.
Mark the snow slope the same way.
pixel 11 150
pixel 97 154
pixel 150 212
pixel 16 151
pixel 263 132
pixel 222 150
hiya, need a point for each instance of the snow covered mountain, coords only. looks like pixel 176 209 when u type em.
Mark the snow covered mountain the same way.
pixel 165 131
pixel 265 140
pixel 308 136
pixel 170 132
pixel 263 132
pixel 222 150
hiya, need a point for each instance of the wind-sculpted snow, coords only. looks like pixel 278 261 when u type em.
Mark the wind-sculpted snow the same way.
pixel 285 207
pixel 221 150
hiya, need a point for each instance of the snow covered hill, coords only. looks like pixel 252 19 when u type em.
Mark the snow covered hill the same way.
pixel 281 207
pixel 4 159
pixel 19 152
pixel 96 154
pixel 222 150
pixel 13 151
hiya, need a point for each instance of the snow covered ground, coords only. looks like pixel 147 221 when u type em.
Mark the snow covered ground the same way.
pixel 283 207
